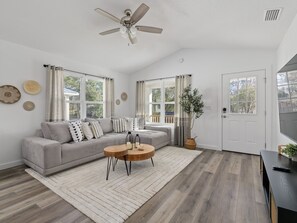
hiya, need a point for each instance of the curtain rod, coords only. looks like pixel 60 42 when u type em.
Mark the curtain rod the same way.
pixel 45 65
pixel 162 78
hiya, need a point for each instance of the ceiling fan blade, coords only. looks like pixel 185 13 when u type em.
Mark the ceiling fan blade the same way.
pixel 139 13
pixel 149 29
pixel 110 31
pixel 132 40
pixel 107 14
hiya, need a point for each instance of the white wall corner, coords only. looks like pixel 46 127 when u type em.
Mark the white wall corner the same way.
pixel 212 147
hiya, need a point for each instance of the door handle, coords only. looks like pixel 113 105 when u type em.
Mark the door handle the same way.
pixel 224 116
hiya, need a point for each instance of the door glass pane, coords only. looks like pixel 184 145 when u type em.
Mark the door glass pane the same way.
pixel 293 90
pixel 94 90
pixel 72 111
pixel 72 88
pixel 242 95
pixel 94 111
pixel 169 113
pixel 285 106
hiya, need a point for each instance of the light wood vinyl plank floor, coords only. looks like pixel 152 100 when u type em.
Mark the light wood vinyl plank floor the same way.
pixel 217 187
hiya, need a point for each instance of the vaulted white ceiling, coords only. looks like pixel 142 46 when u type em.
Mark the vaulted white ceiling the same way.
pixel 70 28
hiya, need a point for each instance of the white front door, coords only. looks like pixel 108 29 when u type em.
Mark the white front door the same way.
pixel 243 112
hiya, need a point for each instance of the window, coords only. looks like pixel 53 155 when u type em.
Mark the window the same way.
pixel 84 96
pixel 160 100
pixel 287 91
pixel 242 95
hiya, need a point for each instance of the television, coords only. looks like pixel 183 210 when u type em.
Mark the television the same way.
pixel 287 99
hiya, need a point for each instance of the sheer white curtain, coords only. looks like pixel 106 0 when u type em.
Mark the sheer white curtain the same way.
pixel 109 97
pixel 182 128
pixel 55 100
pixel 140 99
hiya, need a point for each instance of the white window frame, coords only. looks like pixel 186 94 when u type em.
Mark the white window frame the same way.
pixel 162 104
pixel 83 102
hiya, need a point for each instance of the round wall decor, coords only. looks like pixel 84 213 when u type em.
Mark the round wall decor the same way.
pixel 124 96
pixel 118 102
pixel 29 106
pixel 9 94
pixel 32 87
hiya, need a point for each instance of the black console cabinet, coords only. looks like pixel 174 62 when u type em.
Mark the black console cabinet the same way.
pixel 280 188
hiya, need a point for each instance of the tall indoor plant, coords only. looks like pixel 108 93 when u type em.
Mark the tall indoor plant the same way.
pixel 192 104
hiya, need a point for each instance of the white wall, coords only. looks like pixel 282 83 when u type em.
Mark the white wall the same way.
pixel 207 66
pixel 285 52
pixel 18 64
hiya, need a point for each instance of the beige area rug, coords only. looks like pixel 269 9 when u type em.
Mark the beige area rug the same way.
pixel 115 200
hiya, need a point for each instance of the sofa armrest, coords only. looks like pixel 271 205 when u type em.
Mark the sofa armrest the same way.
pixel 166 129
pixel 44 153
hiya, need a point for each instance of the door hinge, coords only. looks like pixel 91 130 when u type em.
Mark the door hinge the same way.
pixel 265 145
pixel 265 79
pixel 265 112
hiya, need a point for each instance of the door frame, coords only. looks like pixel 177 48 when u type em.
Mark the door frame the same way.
pixel 220 124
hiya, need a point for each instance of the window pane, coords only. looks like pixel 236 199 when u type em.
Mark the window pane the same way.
pixel 285 106
pixel 292 77
pixel 169 94
pixel 169 113
pixel 156 95
pixel 154 113
pixel 242 107
pixel 94 111
pixel 283 92
pixel 72 111
pixel 293 90
pixel 281 78
pixel 242 93
pixel 251 89
pixel 94 90
pixel 294 105
pixel 72 88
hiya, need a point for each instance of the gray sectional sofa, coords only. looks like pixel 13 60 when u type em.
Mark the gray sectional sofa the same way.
pixel 53 150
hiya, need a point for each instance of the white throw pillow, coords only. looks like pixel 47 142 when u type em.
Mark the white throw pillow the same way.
pixel 96 129
pixel 87 130
pixel 76 131
pixel 119 125
pixel 129 124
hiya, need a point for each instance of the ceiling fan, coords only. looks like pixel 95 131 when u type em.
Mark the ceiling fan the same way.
pixel 128 29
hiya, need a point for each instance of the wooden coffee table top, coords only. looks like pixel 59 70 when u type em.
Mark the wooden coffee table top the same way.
pixel 116 150
pixel 137 155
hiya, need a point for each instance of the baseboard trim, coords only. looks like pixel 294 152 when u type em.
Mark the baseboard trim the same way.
pixel 204 146
pixel 11 164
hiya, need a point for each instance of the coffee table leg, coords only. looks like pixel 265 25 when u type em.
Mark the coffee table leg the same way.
pixel 126 165
pixel 109 159
pixel 114 163
pixel 152 161
pixel 130 167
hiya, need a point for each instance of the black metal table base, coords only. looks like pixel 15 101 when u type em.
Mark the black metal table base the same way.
pixel 130 164
pixel 112 162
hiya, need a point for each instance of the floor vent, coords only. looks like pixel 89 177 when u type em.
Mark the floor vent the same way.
pixel 272 14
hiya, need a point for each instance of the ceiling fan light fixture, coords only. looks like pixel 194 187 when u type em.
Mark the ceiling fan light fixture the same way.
pixel 123 32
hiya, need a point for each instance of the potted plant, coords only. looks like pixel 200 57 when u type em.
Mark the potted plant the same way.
pixel 291 151
pixel 192 104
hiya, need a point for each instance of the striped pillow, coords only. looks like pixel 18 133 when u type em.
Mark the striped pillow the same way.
pixel 119 125
pixel 76 131
pixel 96 129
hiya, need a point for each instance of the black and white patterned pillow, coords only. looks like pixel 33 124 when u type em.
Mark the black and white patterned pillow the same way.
pixel 119 125
pixel 76 131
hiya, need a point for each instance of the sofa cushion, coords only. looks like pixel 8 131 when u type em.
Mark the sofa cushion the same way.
pixel 57 131
pixel 154 138
pixel 86 128
pixel 96 129
pixel 76 131
pixel 106 125
pixel 75 151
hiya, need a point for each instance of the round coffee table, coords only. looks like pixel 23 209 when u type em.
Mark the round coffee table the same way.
pixel 137 154
pixel 115 151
